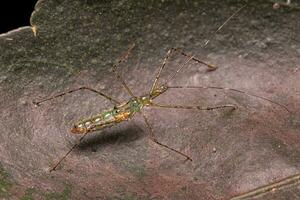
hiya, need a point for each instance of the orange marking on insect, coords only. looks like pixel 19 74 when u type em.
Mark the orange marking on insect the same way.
pixel 122 116
pixel 78 129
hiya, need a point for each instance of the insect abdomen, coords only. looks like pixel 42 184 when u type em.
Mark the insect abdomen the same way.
pixel 94 123
pixel 107 118
pixel 100 121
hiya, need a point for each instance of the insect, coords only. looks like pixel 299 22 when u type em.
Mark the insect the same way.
pixel 126 110
pixel 123 111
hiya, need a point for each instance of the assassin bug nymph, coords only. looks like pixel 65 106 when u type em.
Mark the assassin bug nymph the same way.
pixel 126 110
pixel 123 111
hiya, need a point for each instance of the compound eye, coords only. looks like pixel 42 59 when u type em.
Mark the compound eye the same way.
pixel 115 110
pixel 164 87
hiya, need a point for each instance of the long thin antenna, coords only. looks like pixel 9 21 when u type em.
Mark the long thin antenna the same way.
pixel 174 74
pixel 160 70
pixel 167 56
pixel 220 27
pixel 210 66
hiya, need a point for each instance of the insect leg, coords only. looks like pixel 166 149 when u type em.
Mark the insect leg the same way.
pixel 70 150
pixel 232 90
pixel 118 75
pixel 154 139
pixel 74 90
pixel 194 107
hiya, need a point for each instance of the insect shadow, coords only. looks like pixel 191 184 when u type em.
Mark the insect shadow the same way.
pixel 113 137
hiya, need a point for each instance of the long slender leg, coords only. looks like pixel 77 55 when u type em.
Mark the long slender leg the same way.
pixel 154 139
pixel 118 75
pixel 230 89
pixel 194 107
pixel 74 90
pixel 211 67
pixel 70 150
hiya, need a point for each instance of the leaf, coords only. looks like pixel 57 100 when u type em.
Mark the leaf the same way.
pixel 75 43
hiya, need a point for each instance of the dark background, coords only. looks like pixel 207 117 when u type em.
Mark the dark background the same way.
pixel 15 14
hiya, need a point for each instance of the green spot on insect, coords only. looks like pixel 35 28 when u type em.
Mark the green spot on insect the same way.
pixel 107 115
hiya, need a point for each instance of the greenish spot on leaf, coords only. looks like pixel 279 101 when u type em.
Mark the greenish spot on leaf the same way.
pixel 5 183
pixel 28 194
pixel 64 195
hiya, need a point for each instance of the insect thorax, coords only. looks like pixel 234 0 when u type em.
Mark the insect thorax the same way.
pixel 134 105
